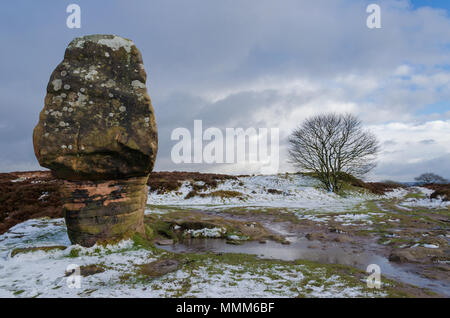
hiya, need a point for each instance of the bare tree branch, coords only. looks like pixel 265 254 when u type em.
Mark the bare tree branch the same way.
pixel 332 144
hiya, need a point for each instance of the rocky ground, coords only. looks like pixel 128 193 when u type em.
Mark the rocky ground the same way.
pixel 214 235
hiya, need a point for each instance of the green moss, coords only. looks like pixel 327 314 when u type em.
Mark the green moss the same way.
pixel 75 252
pixel 162 228
pixel 415 195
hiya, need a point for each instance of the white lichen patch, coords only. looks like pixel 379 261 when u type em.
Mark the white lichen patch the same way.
pixel 137 84
pixel 66 86
pixel 81 101
pixel 110 83
pixel 90 76
pixel 57 84
pixel 55 113
pixel 80 44
pixel 57 100
pixel 122 108
pixel 116 43
pixel 63 73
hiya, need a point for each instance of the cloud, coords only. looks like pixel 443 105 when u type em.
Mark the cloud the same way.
pixel 261 63
pixel 409 170
pixel 427 141
pixel 418 148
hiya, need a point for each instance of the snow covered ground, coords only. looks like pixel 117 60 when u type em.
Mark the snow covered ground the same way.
pixel 292 191
pixel 425 202
pixel 42 273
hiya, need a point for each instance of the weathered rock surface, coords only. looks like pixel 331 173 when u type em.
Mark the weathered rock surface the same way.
pixel 104 211
pixel 315 236
pixel 164 242
pixel 98 121
pixel 415 255
pixel 160 267
pixel 98 132
pixel 87 270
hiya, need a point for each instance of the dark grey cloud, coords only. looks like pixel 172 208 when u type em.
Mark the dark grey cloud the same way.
pixel 389 142
pixel 427 141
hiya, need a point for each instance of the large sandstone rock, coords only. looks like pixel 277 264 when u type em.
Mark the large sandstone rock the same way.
pixel 97 131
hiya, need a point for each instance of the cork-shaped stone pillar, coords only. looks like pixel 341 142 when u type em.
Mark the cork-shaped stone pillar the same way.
pixel 98 133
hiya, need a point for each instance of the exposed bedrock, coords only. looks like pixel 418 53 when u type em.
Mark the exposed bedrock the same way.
pixel 98 132
pixel 104 211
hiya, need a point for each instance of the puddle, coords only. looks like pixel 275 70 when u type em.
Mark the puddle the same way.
pixel 299 248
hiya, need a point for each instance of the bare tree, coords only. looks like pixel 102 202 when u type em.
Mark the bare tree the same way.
pixel 332 145
pixel 430 178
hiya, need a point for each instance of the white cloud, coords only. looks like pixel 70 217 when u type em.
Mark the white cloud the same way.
pixel 403 144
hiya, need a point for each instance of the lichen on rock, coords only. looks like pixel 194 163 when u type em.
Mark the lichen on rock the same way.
pixel 97 126
pixel 79 96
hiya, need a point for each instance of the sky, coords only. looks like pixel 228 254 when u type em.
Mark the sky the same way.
pixel 251 63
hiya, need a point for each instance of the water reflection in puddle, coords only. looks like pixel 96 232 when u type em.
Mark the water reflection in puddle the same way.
pixel 301 248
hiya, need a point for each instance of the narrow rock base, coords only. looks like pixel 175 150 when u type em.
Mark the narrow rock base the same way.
pixel 104 211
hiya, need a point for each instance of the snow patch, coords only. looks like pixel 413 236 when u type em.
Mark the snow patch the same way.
pixel 215 232
pixel 294 191
pixel 425 203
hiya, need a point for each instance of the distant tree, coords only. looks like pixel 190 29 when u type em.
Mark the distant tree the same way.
pixel 333 146
pixel 430 178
